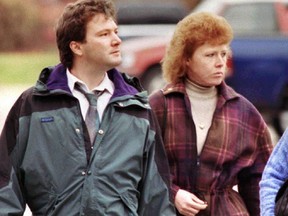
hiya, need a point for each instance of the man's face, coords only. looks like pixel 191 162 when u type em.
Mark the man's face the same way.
pixel 101 48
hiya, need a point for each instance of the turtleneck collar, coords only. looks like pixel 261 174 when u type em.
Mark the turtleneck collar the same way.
pixel 196 90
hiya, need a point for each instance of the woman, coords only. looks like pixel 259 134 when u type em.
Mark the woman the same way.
pixel 274 176
pixel 214 137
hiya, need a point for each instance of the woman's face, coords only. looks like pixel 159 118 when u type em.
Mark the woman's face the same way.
pixel 207 65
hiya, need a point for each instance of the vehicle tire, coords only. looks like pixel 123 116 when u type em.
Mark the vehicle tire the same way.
pixel 152 79
pixel 280 119
pixel 280 122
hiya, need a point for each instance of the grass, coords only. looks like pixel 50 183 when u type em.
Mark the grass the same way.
pixel 24 68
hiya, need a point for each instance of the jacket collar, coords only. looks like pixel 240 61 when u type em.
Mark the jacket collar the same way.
pixel 55 78
pixel 225 92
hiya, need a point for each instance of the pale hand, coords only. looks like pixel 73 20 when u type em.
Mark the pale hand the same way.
pixel 188 204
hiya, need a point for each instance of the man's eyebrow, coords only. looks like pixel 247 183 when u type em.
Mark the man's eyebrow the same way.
pixel 107 30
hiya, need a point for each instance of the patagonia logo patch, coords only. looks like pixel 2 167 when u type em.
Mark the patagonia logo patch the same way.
pixel 47 119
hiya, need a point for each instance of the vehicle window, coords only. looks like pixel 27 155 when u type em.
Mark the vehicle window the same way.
pixel 252 18
pixel 147 13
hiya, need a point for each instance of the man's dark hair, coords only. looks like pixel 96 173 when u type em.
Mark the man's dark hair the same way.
pixel 72 24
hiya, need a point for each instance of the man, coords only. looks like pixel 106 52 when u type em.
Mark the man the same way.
pixel 50 157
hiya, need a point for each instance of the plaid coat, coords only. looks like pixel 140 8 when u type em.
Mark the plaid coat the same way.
pixel 235 152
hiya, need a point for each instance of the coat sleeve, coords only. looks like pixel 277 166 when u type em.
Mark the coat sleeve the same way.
pixel 11 198
pixel 249 178
pixel 158 104
pixel 155 196
pixel 274 175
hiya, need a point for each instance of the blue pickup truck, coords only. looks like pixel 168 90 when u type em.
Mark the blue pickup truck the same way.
pixel 259 65
pixel 260 73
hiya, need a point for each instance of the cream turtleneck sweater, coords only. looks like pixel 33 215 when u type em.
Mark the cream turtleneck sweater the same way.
pixel 203 102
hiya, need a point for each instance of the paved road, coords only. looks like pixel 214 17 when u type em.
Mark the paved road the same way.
pixel 8 95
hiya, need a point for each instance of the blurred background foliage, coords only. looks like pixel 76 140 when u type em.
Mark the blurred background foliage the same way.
pixel 27 39
pixel 18 24
pixel 29 25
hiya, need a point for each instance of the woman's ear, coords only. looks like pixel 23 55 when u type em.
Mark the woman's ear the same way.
pixel 186 62
pixel 75 48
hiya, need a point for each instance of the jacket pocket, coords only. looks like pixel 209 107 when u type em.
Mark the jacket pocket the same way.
pixel 53 200
pixel 130 202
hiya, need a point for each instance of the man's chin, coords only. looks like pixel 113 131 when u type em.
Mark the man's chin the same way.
pixel 117 63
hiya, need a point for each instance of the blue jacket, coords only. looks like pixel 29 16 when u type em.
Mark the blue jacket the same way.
pixel 274 176
pixel 47 162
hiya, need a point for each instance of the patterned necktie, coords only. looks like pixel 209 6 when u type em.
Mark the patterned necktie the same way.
pixel 92 118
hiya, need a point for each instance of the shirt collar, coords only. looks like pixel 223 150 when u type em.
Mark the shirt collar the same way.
pixel 106 83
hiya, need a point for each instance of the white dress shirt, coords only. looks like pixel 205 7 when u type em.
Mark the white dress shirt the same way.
pixel 106 85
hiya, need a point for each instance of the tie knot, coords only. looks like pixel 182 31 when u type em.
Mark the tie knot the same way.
pixel 92 97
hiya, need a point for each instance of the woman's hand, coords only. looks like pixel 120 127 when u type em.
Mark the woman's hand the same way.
pixel 188 204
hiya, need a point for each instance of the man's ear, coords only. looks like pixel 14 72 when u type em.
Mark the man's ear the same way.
pixel 76 48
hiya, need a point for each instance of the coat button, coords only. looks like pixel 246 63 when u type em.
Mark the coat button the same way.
pixel 100 131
